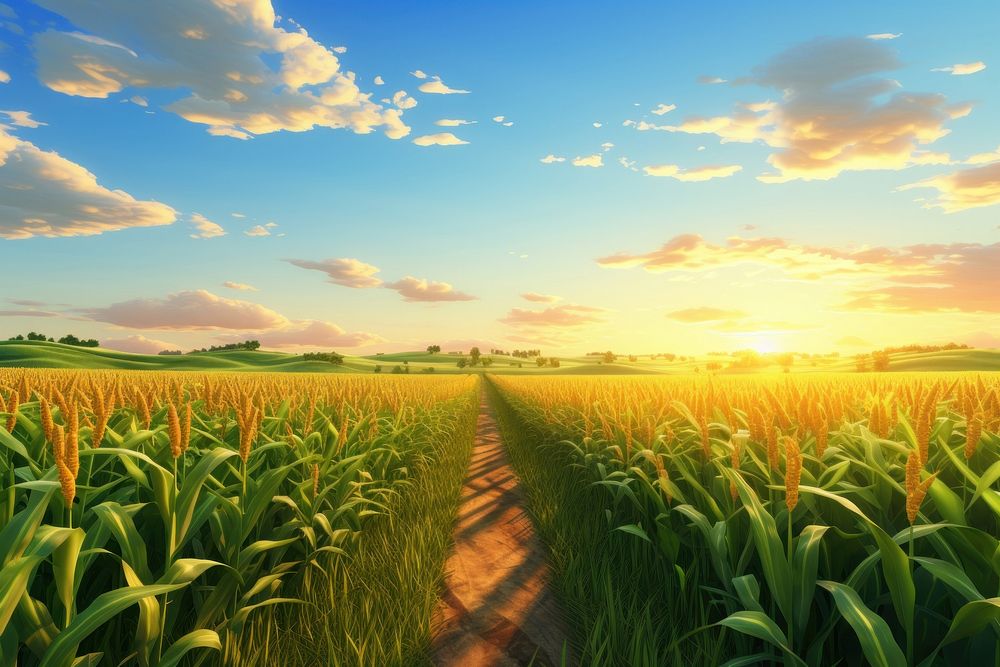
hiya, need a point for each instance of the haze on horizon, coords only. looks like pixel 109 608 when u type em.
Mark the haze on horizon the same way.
pixel 379 177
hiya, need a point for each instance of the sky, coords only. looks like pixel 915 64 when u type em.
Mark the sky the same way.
pixel 381 176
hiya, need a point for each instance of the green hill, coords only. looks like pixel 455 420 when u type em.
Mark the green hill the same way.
pixel 40 354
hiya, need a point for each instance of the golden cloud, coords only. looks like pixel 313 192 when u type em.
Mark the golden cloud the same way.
pixel 345 271
pixel 421 289
pixel 964 189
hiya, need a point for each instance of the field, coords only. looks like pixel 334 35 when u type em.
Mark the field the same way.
pixel 828 519
pixel 165 518
pixel 35 354
pixel 162 519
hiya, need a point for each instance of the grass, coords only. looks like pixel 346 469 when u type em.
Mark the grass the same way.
pixel 35 354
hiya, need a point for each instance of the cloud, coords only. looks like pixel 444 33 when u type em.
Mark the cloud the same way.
pixel 194 310
pixel 238 215
pixel 885 35
pixel 692 175
pixel 257 230
pixel 4 77
pixel 711 80
pixel 47 195
pixel 705 314
pixel 437 87
pixel 454 122
pixel 206 228
pixel 420 74
pixel 606 146
pixel 22 119
pixel 28 313
pixel 984 158
pixel 962 69
pixel 421 289
pixel 595 160
pixel 439 139
pixel 836 113
pixel 498 119
pixel 597 124
pixel 744 327
pixel 345 271
pixel 550 158
pixel 242 287
pixel 403 101
pixel 378 81
pixel 310 334
pixel 958 277
pixel 963 189
pixel 242 73
pixel 539 298
pixel 559 317
pixel 139 100
pixel 137 344
pixel 663 109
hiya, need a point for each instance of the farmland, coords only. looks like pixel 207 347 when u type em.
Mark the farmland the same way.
pixel 827 519
pixel 243 518
pixel 153 518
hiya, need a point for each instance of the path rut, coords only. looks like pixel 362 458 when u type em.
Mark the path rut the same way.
pixel 497 608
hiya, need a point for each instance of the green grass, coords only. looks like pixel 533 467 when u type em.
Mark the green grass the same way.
pixel 36 354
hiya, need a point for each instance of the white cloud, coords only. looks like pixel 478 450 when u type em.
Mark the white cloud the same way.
pixel 696 174
pixel 711 80
pixel 403 101
pixel 139 100
pixel 137 344
pixel 885 35
pixel 439 139
pixel 663 109
pixel 345 271
pixel 420 74
pixel 194 310
pixel 454 122
pixel 421 289
pixel 597 124
pixel 310 334
pixel 595 160
pixel 243 72
pixel 550 158
pixel 437 87
pixel 607 145
pixel 339 49
pixel 206 228
pixel 238 215
pixel 241 287
pixel 984 158
pixel 962 69
pixel 4 77
pixel 257 230
pixel 22 119
pixel 47 195
pixel 378 81
pixel 498 119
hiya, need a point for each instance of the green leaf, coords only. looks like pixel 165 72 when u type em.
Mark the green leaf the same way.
pixel 192 640
pixel 636 530
pixel 805 565
pixel 972 618
pixel 873 632
pixel 758 624
pixel 14 579
pixel 748 590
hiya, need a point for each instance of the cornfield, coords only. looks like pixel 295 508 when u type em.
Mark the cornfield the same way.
pixel 167 518
pixel 817 520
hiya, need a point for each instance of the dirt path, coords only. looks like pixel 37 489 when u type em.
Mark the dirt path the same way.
pixel 497 609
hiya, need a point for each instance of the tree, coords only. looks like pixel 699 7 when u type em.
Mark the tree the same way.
pixel 462 363
pixel 713 366
pixel 861 363
pixel 880 361
pixel 431 349
pixel 70 339
pixel 553 362
pixel 786 360
pixel 609 357
pixel 377 369
pixel 540 361
pixel 475 354
pixel 486 361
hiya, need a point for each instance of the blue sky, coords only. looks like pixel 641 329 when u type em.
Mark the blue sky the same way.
pixel 487 217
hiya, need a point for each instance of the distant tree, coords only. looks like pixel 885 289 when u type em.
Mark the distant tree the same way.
pixel 861 363
pixel 553 362
pixel 377 369
pixel 486 361
pixel 880 361
pixel 17 337
pixel 170 352
pixel 462 363
pixel 406 367
pixel 428 369
pixel 36 336
pixel 632 357
pixel 609 357
pixel 713 366
pixel 475 354
pixel 331 357
pixel 540 361
pixel 431 349
pixel 397 369
pixel 786 360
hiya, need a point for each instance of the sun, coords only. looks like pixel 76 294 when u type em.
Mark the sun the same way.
pixel 762 344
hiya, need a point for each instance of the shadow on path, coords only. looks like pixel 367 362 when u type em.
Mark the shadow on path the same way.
pixel 496 609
